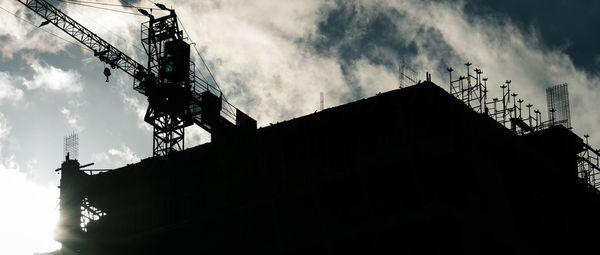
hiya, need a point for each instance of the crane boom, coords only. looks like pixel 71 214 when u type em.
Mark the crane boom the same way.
pixel 101 48
pixel 177 98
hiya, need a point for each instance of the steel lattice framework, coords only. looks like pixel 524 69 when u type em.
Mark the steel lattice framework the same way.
pixel 558 105
pixel 173 103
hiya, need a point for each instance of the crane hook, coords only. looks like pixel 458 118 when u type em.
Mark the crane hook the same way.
pixel 106 73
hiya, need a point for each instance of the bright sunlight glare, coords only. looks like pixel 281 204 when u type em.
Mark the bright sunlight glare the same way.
pixel 28 214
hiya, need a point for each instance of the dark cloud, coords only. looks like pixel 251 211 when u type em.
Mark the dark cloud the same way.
pixel 352 31
pixel 567 25
pixel 16 64
pixel 356 31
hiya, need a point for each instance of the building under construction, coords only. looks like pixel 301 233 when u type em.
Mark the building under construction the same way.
pixel 414 170
pixel 411 170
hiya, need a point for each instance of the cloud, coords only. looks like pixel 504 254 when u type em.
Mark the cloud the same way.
pixel 139 108
pixel 16 34
pixel 503 51
pixel 7 159
pixel 125 154
pixel 274 66
pixel 8 91
pixel 363 72
pixel 31 214
pixel 4 127
pixel 133 103
pixel 123 34
pixel 256 58
pixel 195 135
pixel 71 119
pixel 22 33
pixel 48 77
pixel 117 157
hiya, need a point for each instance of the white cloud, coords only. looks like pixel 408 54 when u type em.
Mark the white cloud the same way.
pixel 51 78
pixel 8 91
pixel 23 34
pixel 374 78
pixel 71 119
pixel 18 35
pixel 28 223
pixel 259 64
pixel 123 34
pixel 133 103
pixel 124 154
pixel 117 157
pixel 4 127
pixel 195 135
pixel 7 160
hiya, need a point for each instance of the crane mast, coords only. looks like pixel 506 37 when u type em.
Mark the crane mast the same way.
pixel 177 97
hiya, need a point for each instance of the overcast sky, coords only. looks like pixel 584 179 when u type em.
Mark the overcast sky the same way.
pixel 272 59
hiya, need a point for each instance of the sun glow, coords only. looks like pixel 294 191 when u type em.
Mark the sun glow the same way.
pixel 28 215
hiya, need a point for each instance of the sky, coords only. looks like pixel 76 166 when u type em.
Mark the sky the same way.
pixel 272 59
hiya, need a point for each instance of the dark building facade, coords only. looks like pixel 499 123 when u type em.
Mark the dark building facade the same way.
pixel 410 171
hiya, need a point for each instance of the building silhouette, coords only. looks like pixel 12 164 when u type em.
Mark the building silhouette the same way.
pixel 410 171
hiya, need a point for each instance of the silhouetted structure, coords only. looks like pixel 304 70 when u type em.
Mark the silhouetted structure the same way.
pixel 412 170
pixel 407 76
pixel 177 96
pixel 558 105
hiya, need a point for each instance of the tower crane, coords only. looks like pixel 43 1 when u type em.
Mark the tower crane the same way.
pixel 177 97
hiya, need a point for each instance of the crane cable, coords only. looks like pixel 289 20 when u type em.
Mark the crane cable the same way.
pixel 120 38
pixel 202 59
pixel 98 7
pixel 229 111
pixel 128 4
